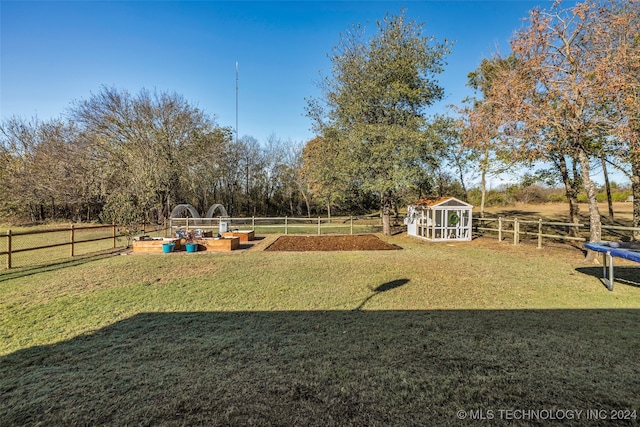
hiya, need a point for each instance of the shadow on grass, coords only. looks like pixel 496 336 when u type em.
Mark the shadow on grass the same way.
pixel 18 272
pixel 622 275
pixel 382 288
pixel 319 368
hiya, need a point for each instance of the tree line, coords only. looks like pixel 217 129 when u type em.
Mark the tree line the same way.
pixel 130 158
pixel 118 157
pixel 566 95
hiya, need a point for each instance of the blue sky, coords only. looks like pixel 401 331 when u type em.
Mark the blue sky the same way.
pixel 53 53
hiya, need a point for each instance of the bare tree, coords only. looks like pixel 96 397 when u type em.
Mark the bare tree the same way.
pixel 146 143
pixel 546 93
pixel 614 58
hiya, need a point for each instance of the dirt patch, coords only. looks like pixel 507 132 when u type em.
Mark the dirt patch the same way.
pixel 360 242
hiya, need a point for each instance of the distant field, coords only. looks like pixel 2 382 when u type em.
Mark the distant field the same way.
pixel 623 211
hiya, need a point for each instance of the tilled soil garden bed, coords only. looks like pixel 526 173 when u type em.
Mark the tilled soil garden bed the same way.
pixel 360 242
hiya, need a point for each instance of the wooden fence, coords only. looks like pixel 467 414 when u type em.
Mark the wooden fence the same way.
pixel 77 240
pixel 286 225
pixel 539 230
pixel 39 247
pixel 52 242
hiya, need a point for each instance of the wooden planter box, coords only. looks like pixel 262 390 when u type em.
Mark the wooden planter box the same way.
pixel 245 236
pixel 218 244
pixel 154 245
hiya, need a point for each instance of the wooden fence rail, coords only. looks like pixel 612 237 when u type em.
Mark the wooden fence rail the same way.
pixel 105 232
pixel 516 228
pixel 513 228
pixel 316 225
pixel 63 242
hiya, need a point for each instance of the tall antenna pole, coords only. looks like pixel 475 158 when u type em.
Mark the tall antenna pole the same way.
pixel 236 102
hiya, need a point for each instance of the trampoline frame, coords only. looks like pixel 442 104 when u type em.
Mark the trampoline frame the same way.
pixel 607 259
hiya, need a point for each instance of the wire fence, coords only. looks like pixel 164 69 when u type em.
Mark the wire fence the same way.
pixel 280 225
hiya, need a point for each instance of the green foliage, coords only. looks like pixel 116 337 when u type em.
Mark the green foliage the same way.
pixel 557 198
pixel 372 104
pixel 121 209
pixel 324 171
pixel 493 198
pixel 534 194
pixel 621 196
pixel 546 177
pixel 601 196
pixel 488 73
pixel 448 142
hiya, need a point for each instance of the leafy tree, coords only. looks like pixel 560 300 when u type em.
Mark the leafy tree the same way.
pixel 294 182
pixel 481 122
pixel 374 103
pixel 323 170
pixel 448 134
pixel 614 59
pixel 545 98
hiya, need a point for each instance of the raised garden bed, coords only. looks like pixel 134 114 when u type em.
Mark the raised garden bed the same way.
pixel 244 236
pixel 218 244
pixel 154 245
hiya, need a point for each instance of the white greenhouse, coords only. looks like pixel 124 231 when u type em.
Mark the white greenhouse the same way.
pixel 439 219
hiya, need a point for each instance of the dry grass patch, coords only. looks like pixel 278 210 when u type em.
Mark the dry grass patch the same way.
pixel 556 211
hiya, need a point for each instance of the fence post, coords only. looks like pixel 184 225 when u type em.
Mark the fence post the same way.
pixel 253 223
pixel 8 249
pixel 286 226
pixel 539 233
pixel 72 236
pixel 351 219
pixel 500 229
pixel 113 234
pixel 318 226
pixel 516 231
pixel 187 225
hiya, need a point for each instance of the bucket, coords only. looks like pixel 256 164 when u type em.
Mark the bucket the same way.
pixel 168 247
pixel 191 247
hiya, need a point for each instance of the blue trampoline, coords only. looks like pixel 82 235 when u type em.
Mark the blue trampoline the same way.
pixel 609 250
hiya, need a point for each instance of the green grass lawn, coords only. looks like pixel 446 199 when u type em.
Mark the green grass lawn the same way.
pixel 406 337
